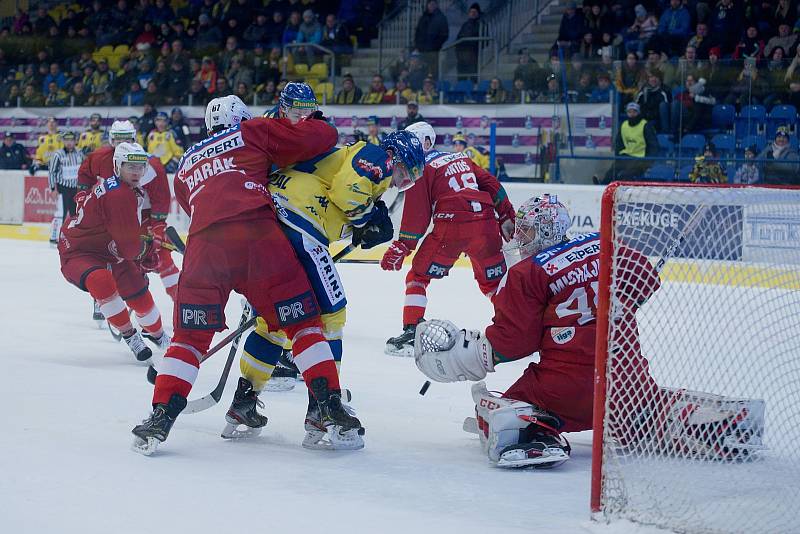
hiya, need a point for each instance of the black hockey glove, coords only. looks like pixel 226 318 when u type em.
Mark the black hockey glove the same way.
pixel 378 230
pixel 318 115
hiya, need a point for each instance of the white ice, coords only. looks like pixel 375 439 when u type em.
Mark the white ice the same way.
pixel 72 394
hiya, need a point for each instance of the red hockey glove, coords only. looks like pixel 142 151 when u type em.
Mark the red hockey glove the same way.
pixel 149 260
pixel 506 216
pixel 80 197
pixel 394 256
pixel 158 229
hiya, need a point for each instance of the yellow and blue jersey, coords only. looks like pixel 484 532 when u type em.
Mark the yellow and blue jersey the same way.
pixel 325 197
pixel 90 140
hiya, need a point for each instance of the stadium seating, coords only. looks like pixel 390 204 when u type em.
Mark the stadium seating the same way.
pixel 692 144
pixel 725 143
pixel 758 140
pixel 782 115
pixel 665 145
pixel 660 173
pixel 751 121
pixel 723 117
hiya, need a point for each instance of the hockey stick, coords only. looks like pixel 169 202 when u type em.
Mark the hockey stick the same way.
pixel 175 239
pixel 690 226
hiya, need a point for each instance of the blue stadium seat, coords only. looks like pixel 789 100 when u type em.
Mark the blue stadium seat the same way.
pixel 783 115
pixel 692 144
pixel 665 145
pixel 443 85
pixel 683 174
pixel 723 117
pixel 758 140
pixel 660 173
pixel 751 121
pixel 725 143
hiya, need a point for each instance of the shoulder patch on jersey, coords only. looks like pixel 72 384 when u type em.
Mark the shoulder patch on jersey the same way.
pixel 445 158
pixel 432 155
pixel 111 183
pixel 371 162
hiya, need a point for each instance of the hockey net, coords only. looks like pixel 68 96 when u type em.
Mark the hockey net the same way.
pixel 697 405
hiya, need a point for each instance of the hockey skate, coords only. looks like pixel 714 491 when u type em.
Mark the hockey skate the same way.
pixel 155 429
pixel 243 413
pixel 329 424
pixel 160 342
pixel 402 345
pixel 138 347
pixel 284 376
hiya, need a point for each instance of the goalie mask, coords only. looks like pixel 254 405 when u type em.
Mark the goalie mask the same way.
pixel 541 222
pixel 226 112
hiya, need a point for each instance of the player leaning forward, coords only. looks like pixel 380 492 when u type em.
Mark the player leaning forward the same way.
pixel 546 303
pixel 105 251
pixel 236 243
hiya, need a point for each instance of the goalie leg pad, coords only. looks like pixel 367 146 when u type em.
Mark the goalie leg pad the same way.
pixel 446 354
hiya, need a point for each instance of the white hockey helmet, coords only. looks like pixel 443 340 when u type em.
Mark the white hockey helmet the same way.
pixel 541 222
pixel 225 112
pixel 423 131
pixel 129 153
pixel 121 131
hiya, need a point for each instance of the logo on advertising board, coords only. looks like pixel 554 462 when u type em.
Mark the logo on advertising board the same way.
pixel 40 202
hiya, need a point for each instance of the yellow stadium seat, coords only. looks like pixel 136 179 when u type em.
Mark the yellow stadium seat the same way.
pixel 122 50
pixel 106 50
pixel 318 70
pixel 114 62
pixel 301 69
pixel 324 88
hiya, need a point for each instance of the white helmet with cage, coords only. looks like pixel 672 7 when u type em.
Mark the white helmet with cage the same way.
pixel 129 153
pixel 541 222
pixel 121 131
pixel 424 132
pixel 225 112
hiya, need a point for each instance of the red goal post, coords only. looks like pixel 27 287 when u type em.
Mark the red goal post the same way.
pixel 697 409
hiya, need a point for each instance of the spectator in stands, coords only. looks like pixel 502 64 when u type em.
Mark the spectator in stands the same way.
pixel 412 116
pixel 147 121
pixel 467 52
pixel 602 93
pixel 10 98
pixel 401 93
pixel 519 94
pixel 783 166
pixel 674 26
pixel 587 48
pixel 785 39
pixel 208 34
pixel 700 40
pixel 225 57
pixel 783 13
pixel 629 78
pixel 152 95
pixel 160 13
pixel 55 97
pixel 292 28
pixel 719 75
pixel 690 106
pixel 528 70
pixel 101 79
pixel 54 75
pixel 496 93
pixel 349 93
pixel 177 80
pixel 258 30
pixel 774 75
pixel 636 138
pixel 654 102
pixel 596 19
pixel 267 94
pixel 641 31
pixel 417 71
pixel 177 52
pixel 78 97
pixel 276 26
pixel 431 33
pixel 750 46
pixel 748 88
pixel 309 32
pixel 223 87
pixel 707 168
pixel 725 25
pixel 238 73
pixel 376 92
pixel 428 95
pixel 208 75
pixel 43 22
pixel 13 155
pixel 552 94
pixel 572 28
pixel 658 62
pixel 134 96
pixel 749 172
pixel 335 36
pixel 243 91
pixel 581 92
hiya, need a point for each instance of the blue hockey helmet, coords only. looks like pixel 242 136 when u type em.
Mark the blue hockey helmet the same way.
pixel 407 156
pixel 297 101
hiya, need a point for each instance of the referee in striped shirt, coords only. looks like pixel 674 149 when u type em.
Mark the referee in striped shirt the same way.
pixel 63 170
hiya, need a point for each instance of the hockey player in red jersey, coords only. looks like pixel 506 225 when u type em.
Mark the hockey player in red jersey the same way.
pixel 236 243
pixel 462 199
pixel 99 165
pixel 103 252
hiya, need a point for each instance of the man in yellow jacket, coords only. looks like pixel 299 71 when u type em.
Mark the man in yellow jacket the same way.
pixel 636 139
pixel 161 143
pixel 92 138
pixel 47 145
pixel 475 154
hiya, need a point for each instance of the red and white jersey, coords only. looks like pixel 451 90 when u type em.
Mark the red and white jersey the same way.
pixel 99 165
pixel 453 188
pixel 227 174
pixel 106 223
pixel 548 303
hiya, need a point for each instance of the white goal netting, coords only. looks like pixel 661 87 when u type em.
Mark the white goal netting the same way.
pixel 701 408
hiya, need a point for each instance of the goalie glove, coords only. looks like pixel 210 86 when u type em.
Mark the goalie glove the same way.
pixel 446 354
pixel 394 256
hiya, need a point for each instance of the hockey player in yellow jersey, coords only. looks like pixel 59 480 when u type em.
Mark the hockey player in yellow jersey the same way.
pixel 474 153
pixel 92 138
pixel 46 145
pixel 331 197
pixel 161 143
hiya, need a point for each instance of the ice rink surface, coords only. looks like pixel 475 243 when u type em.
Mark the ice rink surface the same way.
pixel 72 394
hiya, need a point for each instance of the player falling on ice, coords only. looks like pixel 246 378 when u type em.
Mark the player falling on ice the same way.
pixel 546 303
pixel 236 243
pixel 321 201
pixel 157 197
pixel 462 200
pixel 106 252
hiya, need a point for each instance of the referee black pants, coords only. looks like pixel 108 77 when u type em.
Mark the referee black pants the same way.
pixel 67 199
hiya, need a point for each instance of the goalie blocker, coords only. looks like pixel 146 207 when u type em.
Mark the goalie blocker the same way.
pixel 545 304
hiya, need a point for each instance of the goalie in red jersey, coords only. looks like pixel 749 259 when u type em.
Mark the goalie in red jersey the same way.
pixel 157 198
pixel 462 199
pixel 106 252
pixel 547 303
